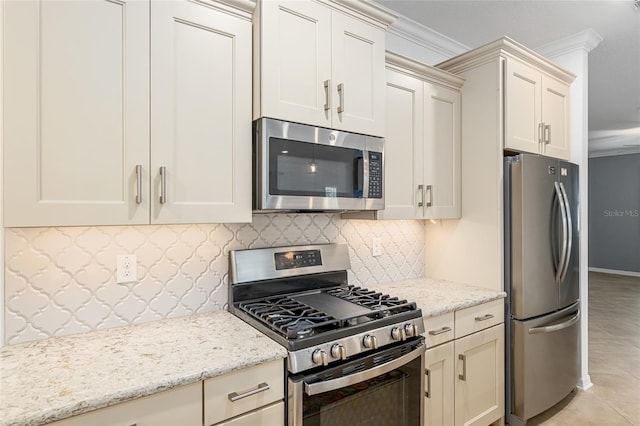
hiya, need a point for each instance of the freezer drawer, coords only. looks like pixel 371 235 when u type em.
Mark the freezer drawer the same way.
pixel 545 360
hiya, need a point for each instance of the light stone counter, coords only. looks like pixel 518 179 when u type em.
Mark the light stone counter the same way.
pixel 52 379
pixel 436 297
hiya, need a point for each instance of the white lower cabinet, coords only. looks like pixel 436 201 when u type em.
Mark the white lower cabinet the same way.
pixel 439 394
pixel 180 406
pixel 273 415
pixel 464 366
pixel 249 397
pixel 479 384
pixel 259 388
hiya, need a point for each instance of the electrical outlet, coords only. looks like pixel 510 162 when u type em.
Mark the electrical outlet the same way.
pixel 376 248
pixel 127 270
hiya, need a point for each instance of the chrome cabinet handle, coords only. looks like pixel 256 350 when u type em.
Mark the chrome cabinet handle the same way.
pixel 421 191
pixel 484 317
pixel 547 134
pixel 234 396
pixel 138 183
pixel 427 373
pixel 327 94
pixel 463 358
pixel 163 185
pixel 341 95
pixel 430 189
pixel 540 133
pixel 443 330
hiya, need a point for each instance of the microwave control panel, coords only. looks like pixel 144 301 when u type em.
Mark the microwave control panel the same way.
pixel 375 175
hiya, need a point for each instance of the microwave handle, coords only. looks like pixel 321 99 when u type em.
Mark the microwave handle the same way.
pixel 362 173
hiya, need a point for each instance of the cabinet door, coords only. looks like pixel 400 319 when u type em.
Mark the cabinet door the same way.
pixel 295 62
pixel 358 74
pixel 180 406
pixel 479 377
pixel 76 112
pixel 403 147
pixel 272 415
pixel 555 116
pixel 442 152
pixel 522 107
pixel 439 394
pixel 200 114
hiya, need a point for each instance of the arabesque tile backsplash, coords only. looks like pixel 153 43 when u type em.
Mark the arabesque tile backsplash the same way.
pixel 61 281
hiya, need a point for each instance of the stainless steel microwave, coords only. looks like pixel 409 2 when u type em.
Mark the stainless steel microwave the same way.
pixel 305 168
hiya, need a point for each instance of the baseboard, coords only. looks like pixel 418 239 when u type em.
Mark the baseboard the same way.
pixel 614 271
pixel 584 382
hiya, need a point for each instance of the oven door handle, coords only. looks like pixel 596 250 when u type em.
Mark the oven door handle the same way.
pixel 329 385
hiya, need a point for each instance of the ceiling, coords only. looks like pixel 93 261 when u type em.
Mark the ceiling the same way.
pixel 614 65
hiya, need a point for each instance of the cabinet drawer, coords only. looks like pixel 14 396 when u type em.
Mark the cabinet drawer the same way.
pixel 439 329
pixel 181 406
pixel 272 415
pixel 252 382
pixel 479 317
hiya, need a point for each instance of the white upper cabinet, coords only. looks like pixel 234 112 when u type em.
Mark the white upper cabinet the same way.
pixel 76 104
pixel 318 65
pixel 200 114
pixel 91 114
pixel 536 111
pixel 422 143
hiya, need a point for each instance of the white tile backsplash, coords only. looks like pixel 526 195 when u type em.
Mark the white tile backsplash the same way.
pixel 61 281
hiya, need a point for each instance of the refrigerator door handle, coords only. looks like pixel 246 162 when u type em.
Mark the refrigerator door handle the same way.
pixel 563 215
pixel 556 327
pixel 569 234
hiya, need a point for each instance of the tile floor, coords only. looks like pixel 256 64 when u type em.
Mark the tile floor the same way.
pixel 614 359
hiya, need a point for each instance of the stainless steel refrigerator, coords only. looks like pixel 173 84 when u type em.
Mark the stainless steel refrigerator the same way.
pixel 542 283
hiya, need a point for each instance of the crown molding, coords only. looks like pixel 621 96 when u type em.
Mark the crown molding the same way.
pixel 376 12
pixel 505 47
pixel 586 41
pixel 423 71
pixel 426 37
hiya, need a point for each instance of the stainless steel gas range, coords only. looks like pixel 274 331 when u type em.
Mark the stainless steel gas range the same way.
pixel 355 355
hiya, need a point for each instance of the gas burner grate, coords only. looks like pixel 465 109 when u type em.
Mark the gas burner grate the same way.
pixel 289 317
pixel 372 299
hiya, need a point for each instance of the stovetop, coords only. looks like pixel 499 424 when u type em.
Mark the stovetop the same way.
pixel 299 296
pixel 321 312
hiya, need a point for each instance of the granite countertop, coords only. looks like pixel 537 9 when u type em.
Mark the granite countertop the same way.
pixel 52 379
pixel 436 297
pixel 47 380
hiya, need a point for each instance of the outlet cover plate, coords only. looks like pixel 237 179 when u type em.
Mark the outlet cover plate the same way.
pixel 126 270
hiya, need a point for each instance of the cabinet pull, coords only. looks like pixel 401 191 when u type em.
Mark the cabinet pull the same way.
pixel 427 373
pixel 484 317
pixel 421 192
pixel 234 396
pixel 440 331
pixel 463 358
pixel 430 189
pixel 163 185
pixel 341 95
pixel 327 93
pixel 540 133
pixel 138 183
pixel 547 134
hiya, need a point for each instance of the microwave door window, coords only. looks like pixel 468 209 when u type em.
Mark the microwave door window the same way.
pixel 308 169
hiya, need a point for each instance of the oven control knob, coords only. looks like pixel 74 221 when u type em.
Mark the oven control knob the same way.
pixel 370 342
pixel 398 333
pixel 411 330
pixel 339 351
pixel 320 356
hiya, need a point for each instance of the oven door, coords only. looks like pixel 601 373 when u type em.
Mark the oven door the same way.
pixel 380 389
